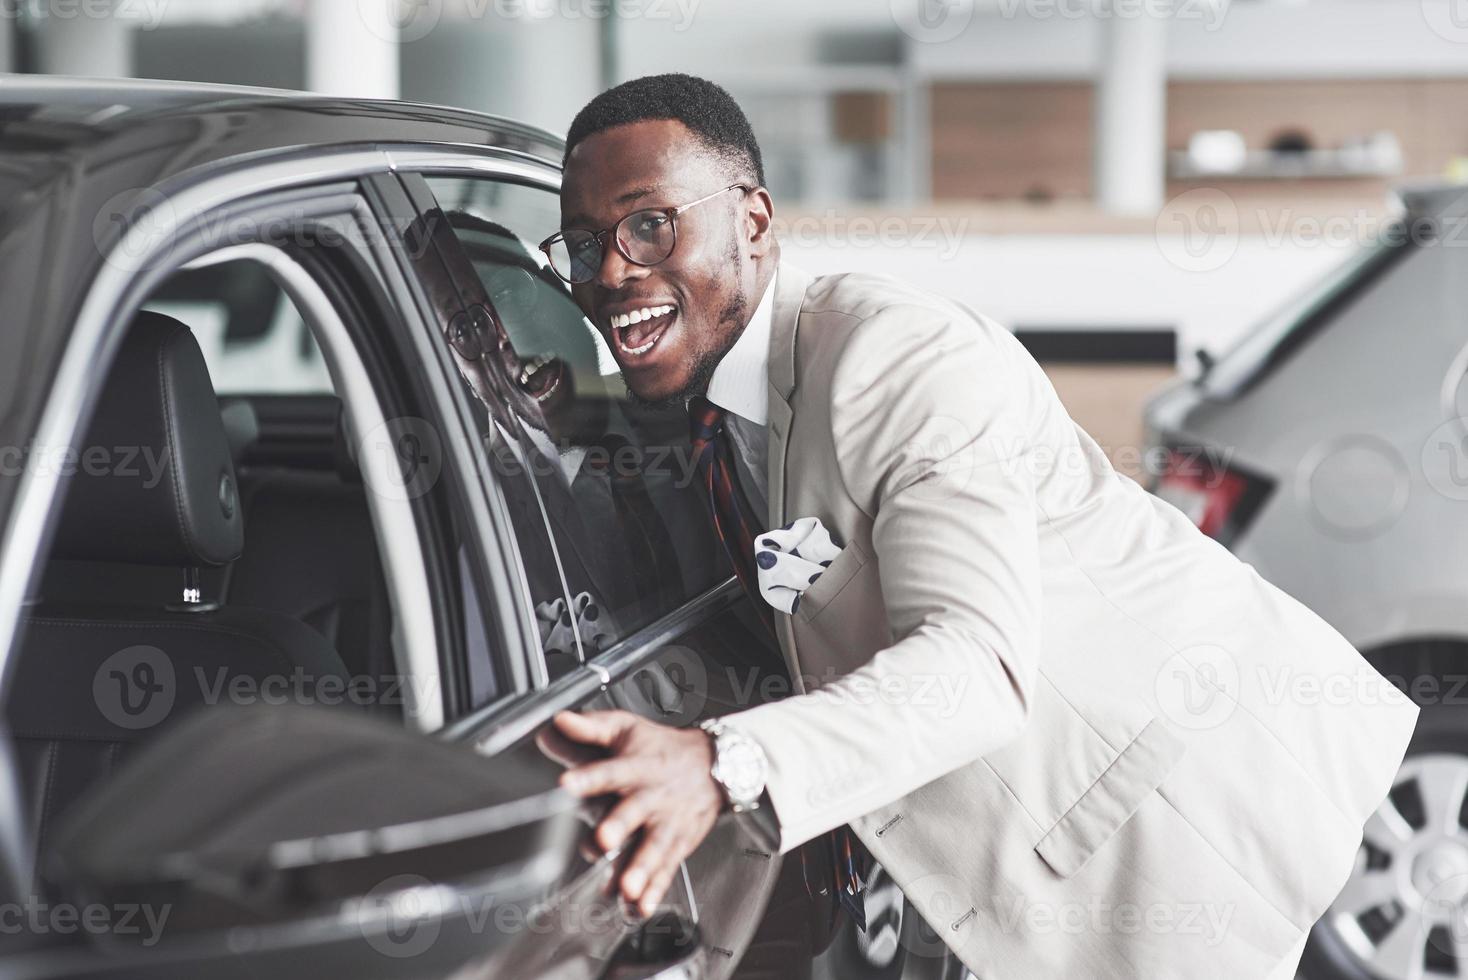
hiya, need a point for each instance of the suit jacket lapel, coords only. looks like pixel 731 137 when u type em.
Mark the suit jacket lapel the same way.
pixel 790 287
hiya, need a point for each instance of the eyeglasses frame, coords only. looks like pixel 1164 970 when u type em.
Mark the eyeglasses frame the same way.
pixel 600 236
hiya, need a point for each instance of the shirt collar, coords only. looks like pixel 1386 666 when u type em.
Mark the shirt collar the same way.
pixel 740 383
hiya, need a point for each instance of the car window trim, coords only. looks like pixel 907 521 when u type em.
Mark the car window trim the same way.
pixel 527 664
pixel 416 186
pixel 498 726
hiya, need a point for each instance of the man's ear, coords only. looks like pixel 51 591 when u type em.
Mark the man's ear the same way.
pixel 759 213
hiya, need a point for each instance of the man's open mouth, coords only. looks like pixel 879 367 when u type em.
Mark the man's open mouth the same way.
pixel 637 332
pixel 541 376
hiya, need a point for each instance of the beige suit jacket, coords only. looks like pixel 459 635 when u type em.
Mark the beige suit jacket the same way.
pixel 1084 738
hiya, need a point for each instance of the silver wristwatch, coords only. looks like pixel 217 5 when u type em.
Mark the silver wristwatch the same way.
pixel 739 767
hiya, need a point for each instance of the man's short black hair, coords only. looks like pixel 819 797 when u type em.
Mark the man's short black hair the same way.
pixel 705 108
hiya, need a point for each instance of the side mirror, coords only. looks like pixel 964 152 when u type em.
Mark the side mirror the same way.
pixel 281 841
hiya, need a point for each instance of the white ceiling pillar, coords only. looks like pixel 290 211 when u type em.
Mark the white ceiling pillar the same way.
pixel 1130 110
pixel 83 39
pixel 352 48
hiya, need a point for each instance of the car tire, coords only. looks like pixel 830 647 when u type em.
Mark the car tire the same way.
pixel 897 945
pixel 1358 938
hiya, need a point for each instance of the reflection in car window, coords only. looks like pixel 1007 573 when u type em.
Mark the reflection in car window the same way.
pixel 614 478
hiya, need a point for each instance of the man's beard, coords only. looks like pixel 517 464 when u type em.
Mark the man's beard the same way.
pixel 705 363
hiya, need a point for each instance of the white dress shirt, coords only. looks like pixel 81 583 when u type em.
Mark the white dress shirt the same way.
pixel 740 386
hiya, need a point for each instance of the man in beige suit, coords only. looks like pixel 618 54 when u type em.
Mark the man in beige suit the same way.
pixel 1058 715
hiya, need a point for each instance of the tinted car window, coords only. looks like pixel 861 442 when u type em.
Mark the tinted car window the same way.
pixel 618 488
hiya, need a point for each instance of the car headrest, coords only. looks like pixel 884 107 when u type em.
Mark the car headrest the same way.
pixel 153 481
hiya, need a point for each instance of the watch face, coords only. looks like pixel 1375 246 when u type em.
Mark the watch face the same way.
pixel 741 769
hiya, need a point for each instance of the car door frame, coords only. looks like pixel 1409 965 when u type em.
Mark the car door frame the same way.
pixel 195 204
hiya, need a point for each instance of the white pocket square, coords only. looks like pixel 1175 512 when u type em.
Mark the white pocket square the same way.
pixel 790 559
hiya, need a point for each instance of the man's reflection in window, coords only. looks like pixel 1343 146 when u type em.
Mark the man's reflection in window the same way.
pixel 583 457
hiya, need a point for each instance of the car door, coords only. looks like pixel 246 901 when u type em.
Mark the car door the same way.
pixel 658 624
pixel 502 890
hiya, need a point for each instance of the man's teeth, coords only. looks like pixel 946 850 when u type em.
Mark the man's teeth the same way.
pixel 620 320
pixel 534 364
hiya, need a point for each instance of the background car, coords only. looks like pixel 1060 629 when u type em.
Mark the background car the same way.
pixel 1328 450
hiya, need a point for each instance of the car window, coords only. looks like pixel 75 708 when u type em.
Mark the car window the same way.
pixel 619 491
pixel 1261 345
pixel 251 334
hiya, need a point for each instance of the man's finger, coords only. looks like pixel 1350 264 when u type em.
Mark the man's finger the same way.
pixel 660 879
pixel 595 727
pixel 605 776
pixel 648 863
pixel 622 822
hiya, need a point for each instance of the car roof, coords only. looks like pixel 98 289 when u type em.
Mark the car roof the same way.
pixel 50 125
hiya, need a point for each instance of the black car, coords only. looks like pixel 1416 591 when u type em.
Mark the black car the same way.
pixel 281 645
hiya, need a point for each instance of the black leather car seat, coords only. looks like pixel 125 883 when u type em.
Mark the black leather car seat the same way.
pixel 96 678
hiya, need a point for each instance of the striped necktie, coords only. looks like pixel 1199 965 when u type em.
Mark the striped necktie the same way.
pixel 733 516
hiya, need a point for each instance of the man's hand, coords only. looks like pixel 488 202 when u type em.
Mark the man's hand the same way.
pixel 664 778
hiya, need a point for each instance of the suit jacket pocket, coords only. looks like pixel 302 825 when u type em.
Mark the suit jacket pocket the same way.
pixel 1111 800
pixel 838 574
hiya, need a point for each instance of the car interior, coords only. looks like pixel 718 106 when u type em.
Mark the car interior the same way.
pixel 252 500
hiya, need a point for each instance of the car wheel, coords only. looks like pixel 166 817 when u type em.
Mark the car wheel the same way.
pixel 1403 913
pixel 897 944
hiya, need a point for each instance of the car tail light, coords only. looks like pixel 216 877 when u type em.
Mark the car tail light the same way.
pixel 1220 499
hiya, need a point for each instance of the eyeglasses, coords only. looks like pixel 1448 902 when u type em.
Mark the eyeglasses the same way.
pixel 644 237
pixel 469 333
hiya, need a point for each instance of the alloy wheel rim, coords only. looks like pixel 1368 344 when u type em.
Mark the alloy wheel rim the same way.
pixel 1403 913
